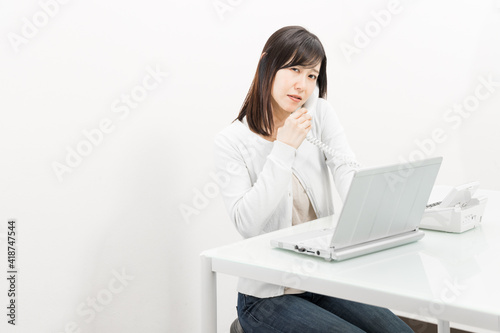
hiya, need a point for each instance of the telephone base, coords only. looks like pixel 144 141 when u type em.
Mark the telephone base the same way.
pixel 455 219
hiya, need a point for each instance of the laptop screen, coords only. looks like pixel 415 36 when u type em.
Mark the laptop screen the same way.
pixel 385 201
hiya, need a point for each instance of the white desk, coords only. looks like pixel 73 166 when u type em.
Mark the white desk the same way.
pixel 450 277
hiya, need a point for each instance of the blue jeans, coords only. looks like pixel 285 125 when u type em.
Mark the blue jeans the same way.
pixel 311 313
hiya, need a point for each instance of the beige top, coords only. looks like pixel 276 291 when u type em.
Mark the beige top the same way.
pixel 302 211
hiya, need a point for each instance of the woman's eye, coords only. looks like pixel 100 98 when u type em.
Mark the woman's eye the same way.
pixel 312 76
pixel 294 69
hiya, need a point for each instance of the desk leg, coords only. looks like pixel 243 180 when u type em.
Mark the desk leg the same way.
pixel 443 326
pixel 208 297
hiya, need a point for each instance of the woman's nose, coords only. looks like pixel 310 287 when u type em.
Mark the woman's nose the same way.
pixel 300 83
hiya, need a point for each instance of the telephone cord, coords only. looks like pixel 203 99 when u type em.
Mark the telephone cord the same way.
pixel 338 158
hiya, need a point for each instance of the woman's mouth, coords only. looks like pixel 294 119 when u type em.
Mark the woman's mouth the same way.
pixel 295 98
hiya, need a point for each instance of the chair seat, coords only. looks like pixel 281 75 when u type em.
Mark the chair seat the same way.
pixel 236 327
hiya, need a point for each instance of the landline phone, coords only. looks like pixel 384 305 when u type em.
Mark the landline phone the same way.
pixel 457 212
pixel 310 105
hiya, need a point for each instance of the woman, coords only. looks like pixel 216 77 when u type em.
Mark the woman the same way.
pixel 277 179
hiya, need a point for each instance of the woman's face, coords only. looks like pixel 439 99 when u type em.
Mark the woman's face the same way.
pixel 292 87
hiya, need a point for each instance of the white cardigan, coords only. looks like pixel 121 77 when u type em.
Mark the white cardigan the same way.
pixel 258 191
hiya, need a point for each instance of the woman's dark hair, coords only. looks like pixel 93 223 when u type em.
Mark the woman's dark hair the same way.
pixel 289 46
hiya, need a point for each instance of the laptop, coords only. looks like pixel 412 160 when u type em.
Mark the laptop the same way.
pixel 383 209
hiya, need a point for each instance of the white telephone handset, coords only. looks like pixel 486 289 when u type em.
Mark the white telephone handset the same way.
pixel 459 195
pixel 458 211
pixel 310 105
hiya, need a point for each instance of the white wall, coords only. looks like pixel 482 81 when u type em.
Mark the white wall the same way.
pixel 116 211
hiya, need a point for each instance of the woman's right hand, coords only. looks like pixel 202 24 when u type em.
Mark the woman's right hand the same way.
pixel 295 129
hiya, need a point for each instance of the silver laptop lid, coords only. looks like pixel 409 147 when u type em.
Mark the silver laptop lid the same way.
pixel 385 201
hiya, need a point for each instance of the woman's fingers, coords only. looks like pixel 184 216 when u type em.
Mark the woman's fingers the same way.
pixel 297 114
pixel 304 120
pixel 295 128
pixel 301 116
